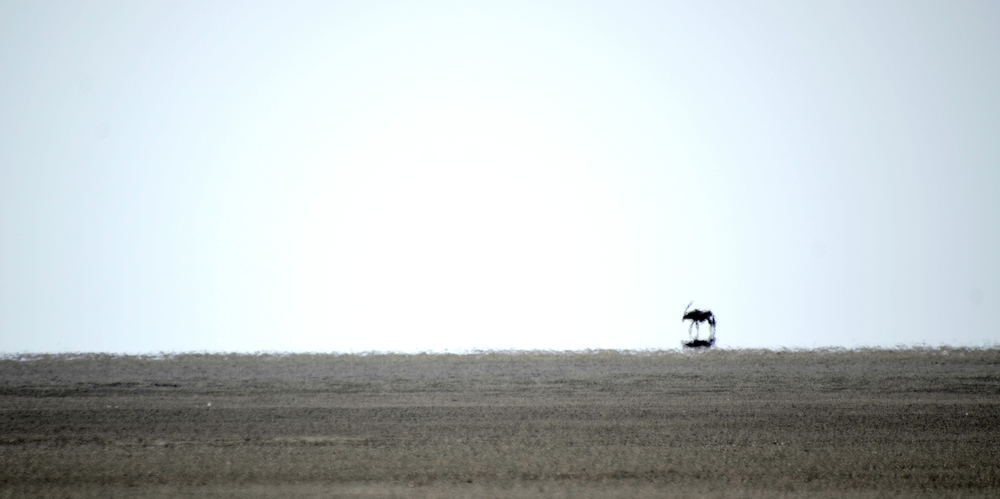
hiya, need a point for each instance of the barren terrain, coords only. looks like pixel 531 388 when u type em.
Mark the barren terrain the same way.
pixel 721 423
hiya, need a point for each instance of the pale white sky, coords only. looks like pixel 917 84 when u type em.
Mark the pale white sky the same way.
pixel 328 176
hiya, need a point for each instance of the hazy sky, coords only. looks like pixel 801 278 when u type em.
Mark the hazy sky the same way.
pixel 429 176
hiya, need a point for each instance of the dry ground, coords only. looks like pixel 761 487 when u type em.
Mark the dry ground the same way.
pixel 871 423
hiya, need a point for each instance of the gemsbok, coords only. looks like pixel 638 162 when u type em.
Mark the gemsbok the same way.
pixel 697 317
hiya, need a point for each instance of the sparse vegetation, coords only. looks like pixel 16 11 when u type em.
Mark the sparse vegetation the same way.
pixel 718 423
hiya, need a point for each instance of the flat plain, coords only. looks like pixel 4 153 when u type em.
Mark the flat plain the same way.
pixel 720 423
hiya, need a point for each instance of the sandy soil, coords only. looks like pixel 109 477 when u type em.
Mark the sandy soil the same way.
pixel 874 423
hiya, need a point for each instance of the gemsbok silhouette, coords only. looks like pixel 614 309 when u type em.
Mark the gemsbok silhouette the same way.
pixel 697 317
